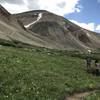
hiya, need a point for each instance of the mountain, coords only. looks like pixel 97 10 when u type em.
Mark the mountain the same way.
pixel 45 29
pixel 3 12
pixel 12 31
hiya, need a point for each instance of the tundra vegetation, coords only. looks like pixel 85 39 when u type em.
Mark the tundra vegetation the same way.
pixel 44 74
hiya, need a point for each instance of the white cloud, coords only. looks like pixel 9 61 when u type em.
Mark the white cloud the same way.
pixel 89 26
pixel 60 7
pixel 14 8
pixel 98 28
pixel 68 6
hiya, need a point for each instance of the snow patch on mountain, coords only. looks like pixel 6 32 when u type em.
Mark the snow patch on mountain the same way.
pixel 38 18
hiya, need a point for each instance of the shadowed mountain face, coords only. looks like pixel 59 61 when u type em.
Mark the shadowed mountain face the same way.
pixel 4 12
pixel 45 29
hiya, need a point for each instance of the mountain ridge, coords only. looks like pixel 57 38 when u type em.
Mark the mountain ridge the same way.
pixel 45 29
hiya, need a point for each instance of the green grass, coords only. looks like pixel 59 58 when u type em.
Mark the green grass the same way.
pixel 93 96
pixel 39 74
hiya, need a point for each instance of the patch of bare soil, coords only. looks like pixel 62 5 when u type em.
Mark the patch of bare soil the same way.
pixel 82 94
pixel 78 96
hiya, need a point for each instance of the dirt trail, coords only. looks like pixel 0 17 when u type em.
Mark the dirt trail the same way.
pixel 78 96
pixel 81 95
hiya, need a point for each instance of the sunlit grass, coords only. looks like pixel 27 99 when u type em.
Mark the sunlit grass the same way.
pixel 37 74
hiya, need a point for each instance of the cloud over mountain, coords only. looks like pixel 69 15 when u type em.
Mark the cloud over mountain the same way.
pixel 98 28
pixel 60 7
pixel 90 26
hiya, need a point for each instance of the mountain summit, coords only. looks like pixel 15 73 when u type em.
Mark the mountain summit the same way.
pixel 45 29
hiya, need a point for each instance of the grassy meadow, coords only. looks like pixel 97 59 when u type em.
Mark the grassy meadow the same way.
pixel 42 74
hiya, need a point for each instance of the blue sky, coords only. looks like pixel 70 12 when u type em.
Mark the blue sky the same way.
pixel 85 13
pixel 90 13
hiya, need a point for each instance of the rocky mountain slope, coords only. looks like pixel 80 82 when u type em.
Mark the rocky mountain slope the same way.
pixel 12 31
pixel 45 29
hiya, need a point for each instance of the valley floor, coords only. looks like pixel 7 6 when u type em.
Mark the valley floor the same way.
pixel 42 74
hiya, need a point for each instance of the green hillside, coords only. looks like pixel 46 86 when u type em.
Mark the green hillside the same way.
pixel 42 74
